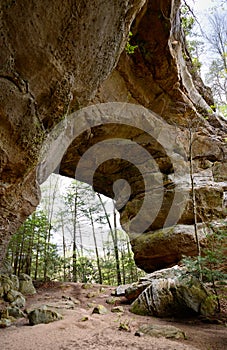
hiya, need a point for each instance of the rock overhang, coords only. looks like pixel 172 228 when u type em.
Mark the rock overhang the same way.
pixel 50 77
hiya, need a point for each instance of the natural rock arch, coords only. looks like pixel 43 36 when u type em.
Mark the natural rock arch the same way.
pixel 133 155
pixel 59 58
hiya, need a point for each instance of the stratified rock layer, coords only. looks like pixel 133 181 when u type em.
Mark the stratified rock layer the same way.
pixel 53 57
pixel 59 58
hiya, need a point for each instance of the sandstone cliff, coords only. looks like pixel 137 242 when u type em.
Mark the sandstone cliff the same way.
pixel 74 101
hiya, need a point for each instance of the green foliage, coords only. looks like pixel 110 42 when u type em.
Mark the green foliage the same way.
pixel 214 40
pixel 32 250
pixel 214 257
pixel 217 79
pixel 87 270
pixel 223 109
pixel 124 326
pixel 130 49
pixel 29 249
pixel 213 260
pixel 187 19
pixel 194 47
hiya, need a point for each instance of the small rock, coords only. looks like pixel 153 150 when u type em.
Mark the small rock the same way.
pixel 100 309
pixel 117 309
pixel 84 318
pixel 91 295
pixel 139 334
pixel 90 305
pixel 111 301
pixel 169 332
pixel 24 277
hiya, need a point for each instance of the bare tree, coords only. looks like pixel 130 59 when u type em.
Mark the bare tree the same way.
pixel 50 203
pixel 216 38
pixel 113 233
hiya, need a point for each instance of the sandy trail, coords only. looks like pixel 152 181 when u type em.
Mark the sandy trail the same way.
pixel 101 332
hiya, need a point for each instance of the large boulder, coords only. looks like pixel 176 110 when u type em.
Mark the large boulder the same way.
pixel 175 292
pixel 43 314
pixel 165 247
pixel 26 286
pixel 6 267
pixel 15 281
pixel 15 298
pixel 5 285
pixel 11 300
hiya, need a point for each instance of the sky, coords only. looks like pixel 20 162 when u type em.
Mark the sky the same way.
pixel 203 5
pixel 85 226
pixel 202 9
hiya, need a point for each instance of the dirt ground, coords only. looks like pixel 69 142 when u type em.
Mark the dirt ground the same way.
pixel 80 329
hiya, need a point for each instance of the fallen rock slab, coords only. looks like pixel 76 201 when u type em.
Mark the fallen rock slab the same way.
pixel 174 293
pixel 169 332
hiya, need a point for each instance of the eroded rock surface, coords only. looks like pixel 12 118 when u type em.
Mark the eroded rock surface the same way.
pixel 53 58
pixel 186 139
pixel 173 291
pixel 12 301
pixel 43 315
pixel 169 332
pixel 60 58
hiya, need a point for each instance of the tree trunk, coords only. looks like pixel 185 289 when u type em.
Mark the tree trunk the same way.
pixel 75 277
pixel 194 204
pixel 37 256
pixel 96 247
pixel 113 233
pixel 116 252
pixel 50 212
pixel 63 247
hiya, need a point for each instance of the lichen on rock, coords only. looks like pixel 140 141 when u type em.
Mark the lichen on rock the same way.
pixel 172 292
pixel 43 315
